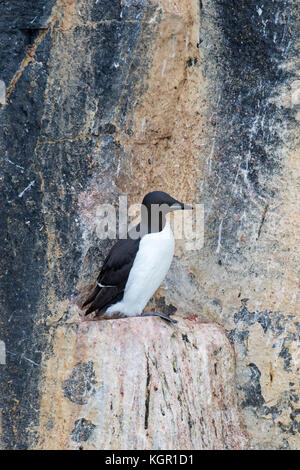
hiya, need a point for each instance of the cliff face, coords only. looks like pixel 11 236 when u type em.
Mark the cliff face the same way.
pixel 141 384
pixel 200 99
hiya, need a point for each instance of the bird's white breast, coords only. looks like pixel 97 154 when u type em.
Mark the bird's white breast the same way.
pixel 150 267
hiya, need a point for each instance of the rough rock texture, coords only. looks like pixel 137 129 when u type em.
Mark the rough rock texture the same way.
pixel 141 384
pixel 109 97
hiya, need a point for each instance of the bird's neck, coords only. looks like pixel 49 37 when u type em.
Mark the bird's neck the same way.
pixel 152 223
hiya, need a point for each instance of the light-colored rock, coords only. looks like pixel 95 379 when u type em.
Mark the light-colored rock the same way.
pixel 295 98
pixel 2 352
pixel 2 92
pixel 140 383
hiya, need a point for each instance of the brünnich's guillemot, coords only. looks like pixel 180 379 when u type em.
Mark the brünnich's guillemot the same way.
pixel 135 267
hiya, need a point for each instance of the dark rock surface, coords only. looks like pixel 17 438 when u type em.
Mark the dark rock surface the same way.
pixel 83 429
pixel 244 47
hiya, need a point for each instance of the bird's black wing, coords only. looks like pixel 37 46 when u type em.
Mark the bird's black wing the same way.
pixel 113 276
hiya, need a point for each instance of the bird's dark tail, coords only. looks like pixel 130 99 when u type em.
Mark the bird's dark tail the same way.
pixel 92 296
pixel 103 300
pixel 90 310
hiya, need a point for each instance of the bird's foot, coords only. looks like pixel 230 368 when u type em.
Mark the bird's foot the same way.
pixel 161 315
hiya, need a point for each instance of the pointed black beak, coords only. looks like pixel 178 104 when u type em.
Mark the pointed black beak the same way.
pixel 186 207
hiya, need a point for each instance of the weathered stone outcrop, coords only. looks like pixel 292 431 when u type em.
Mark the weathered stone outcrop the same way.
pixel 141 384
pixel 198 98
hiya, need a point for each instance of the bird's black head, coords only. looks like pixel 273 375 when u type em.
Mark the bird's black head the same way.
pixel 163 200
pixel 155 206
